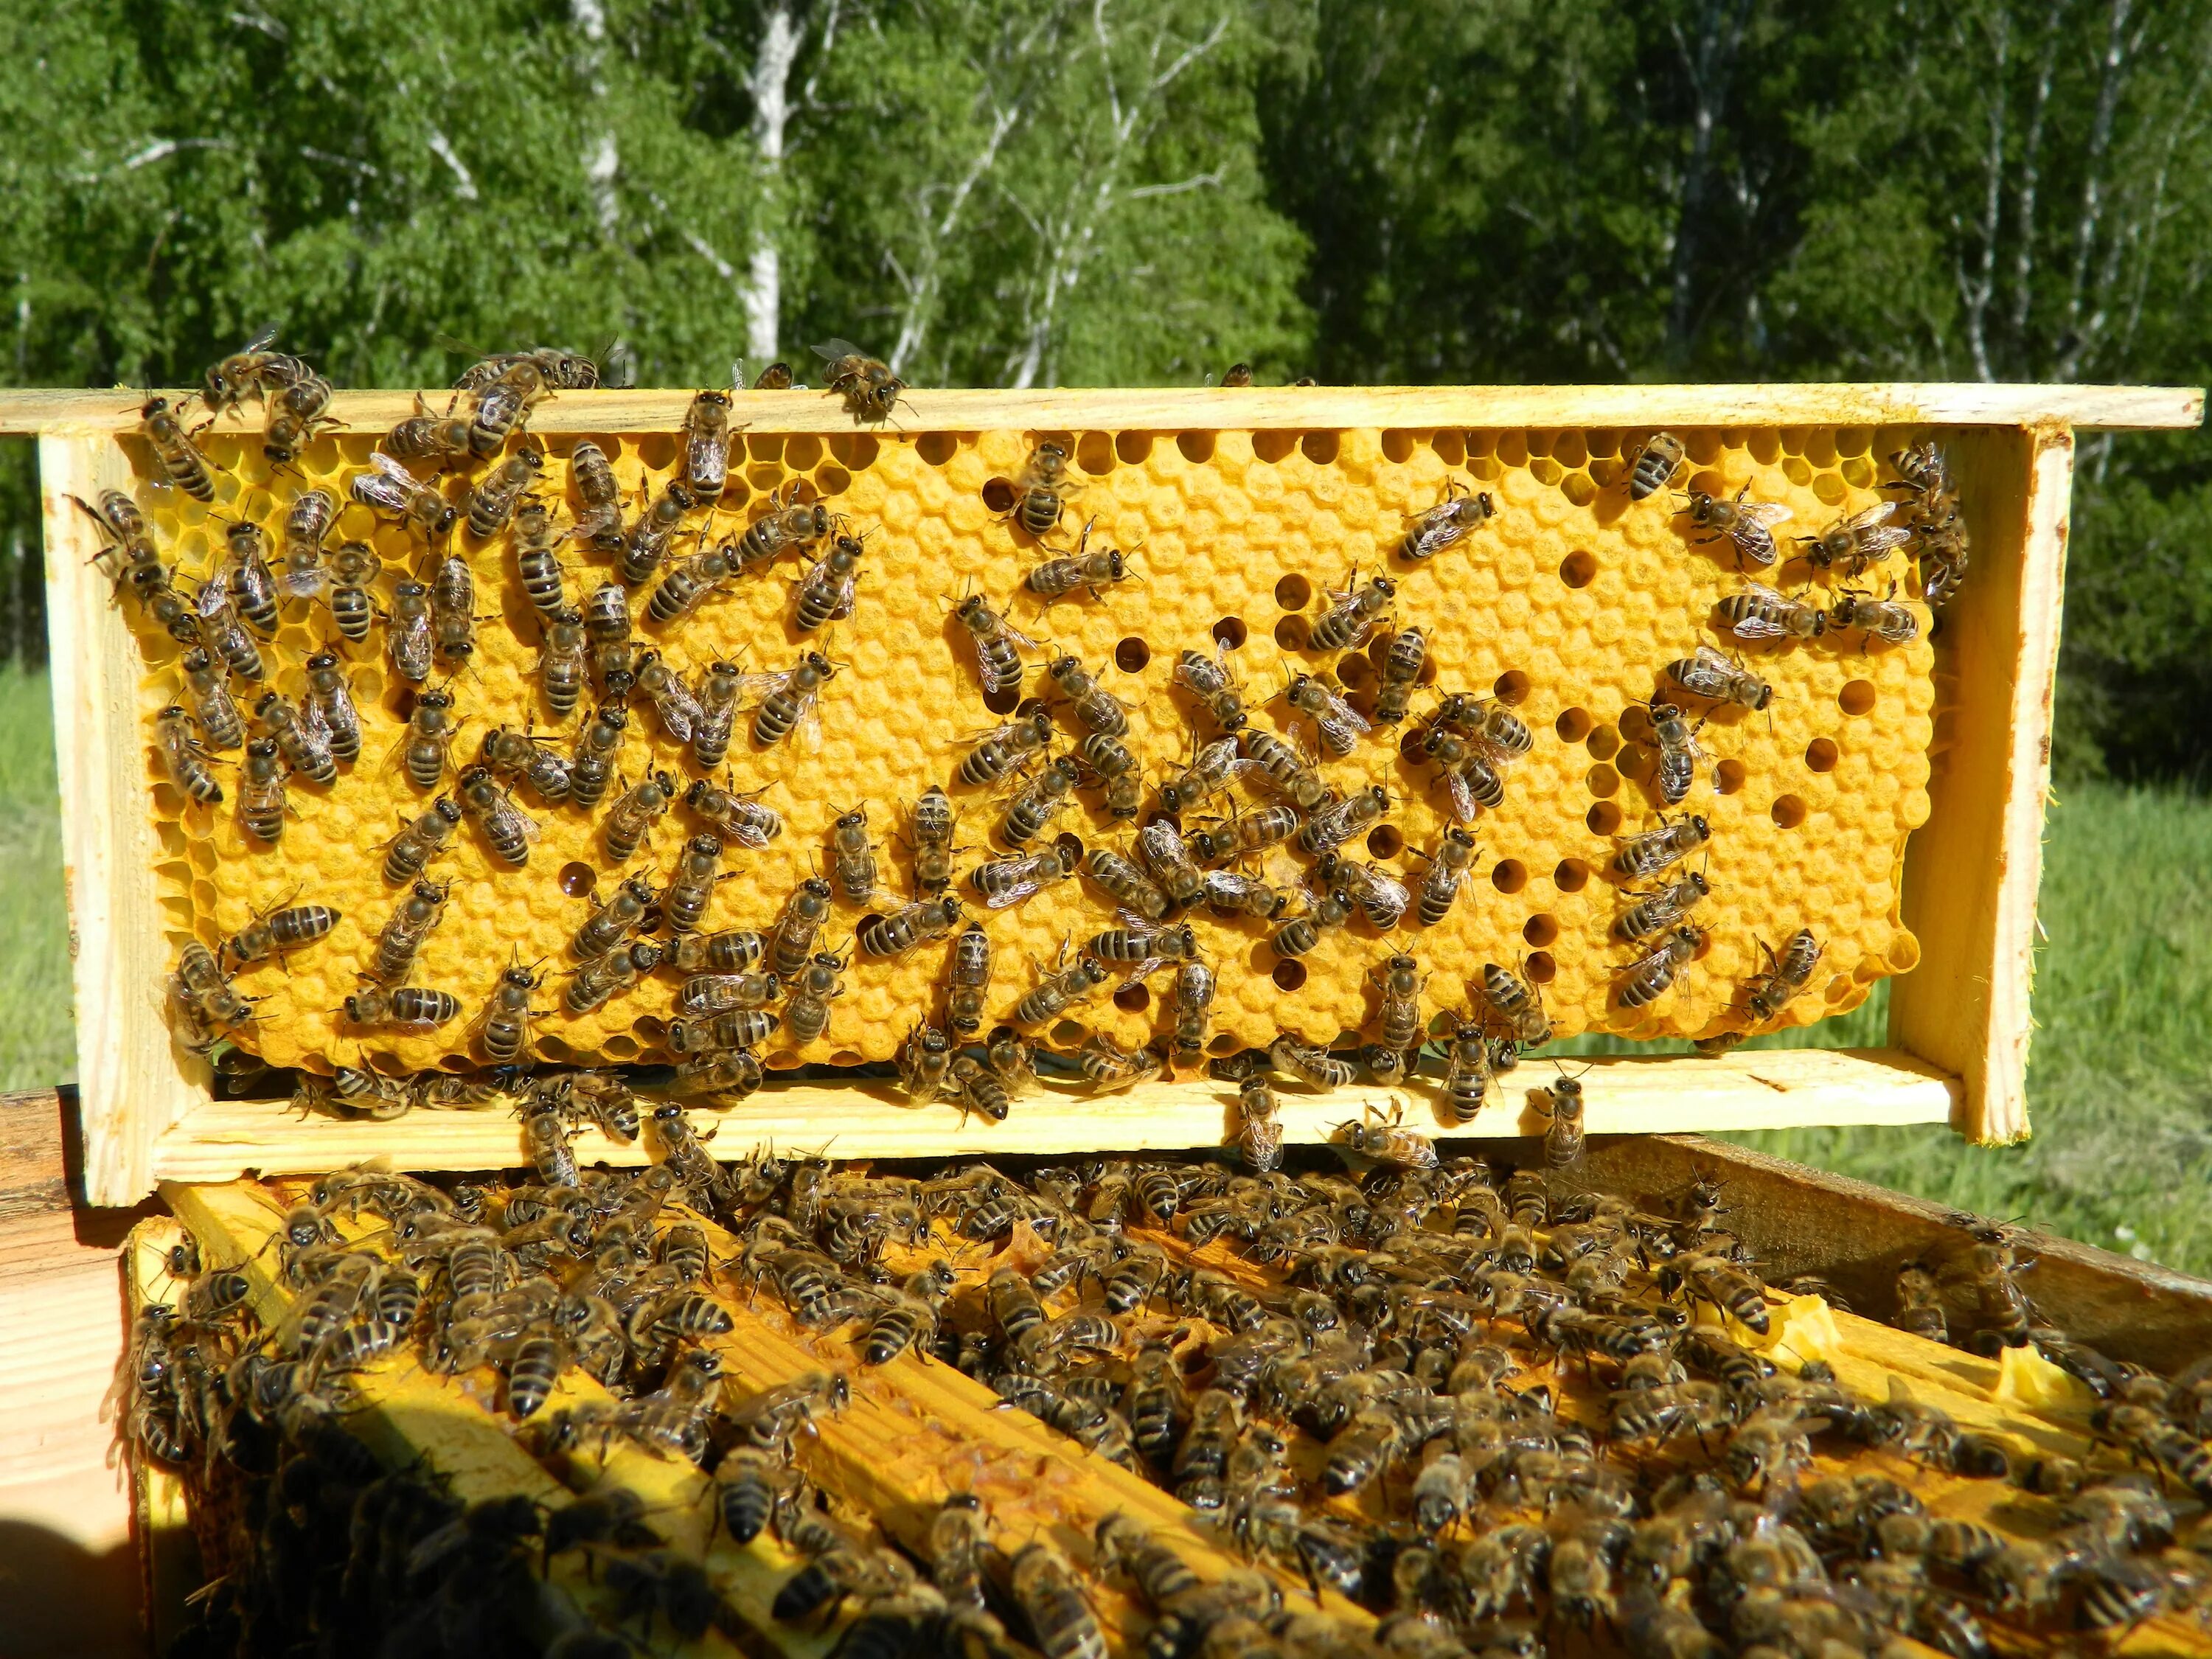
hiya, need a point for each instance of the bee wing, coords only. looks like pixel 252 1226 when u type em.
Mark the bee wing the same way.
pixel 1462 796
pixel 1386 889
pixel 213 599
pixel 1876 544
pixel 679 712
pixel 306 584
pixel 1014 895
pixel 1873 515
pixel 1437 530
pixel 810 722
pixel 832 349
pixel 311 716
pixel 758 686
pixel 1714 660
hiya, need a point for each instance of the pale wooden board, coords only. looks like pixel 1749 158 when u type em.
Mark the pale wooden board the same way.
pixel 220 1140
pixel 1970 885
pixel 1169 408
pixel 127 1067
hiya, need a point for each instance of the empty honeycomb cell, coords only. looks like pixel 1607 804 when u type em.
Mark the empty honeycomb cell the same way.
pixel 1579 569
pixel 828 481
pixel 1509 876
pixel 1856 698
pixel 1545 469
pixel 1603 781
pixel 1319 448
pixel 1730 776
pixel 1385 842
pixel 1511 688
pixel 1789 812
pixel 1821 755
pixel 1133 999
pixel 1272 446
pixel 1218 535
pixel 1541 930
pixel 1289 975
pixel 1539 968
pixel 1291 632
pixel 1230 631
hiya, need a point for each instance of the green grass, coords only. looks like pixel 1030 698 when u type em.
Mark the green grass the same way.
pixel 2119 1083
pixel 38 1043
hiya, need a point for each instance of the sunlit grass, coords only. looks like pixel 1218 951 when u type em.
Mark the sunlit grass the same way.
pixel 38 1042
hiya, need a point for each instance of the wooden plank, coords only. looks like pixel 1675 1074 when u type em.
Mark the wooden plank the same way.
pixel 1970 882
pixel 127 1069
pixel 1855 1235
pixel 221 1140
pixel 1173 408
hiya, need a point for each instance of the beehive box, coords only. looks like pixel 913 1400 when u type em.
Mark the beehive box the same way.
pixel 1241 508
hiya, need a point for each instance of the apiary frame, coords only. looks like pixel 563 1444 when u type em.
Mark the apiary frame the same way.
pixel 1959 1022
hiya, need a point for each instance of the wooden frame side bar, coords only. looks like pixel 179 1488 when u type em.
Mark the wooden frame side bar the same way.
pixel 1169 408
pixel 127 1068
pixel 1971 874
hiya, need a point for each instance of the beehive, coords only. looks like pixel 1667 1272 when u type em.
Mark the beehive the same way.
pixel 1242 510
pixel 1566 604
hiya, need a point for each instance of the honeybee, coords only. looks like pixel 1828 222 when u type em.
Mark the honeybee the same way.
pixel 421 840
pixel 731 952
pixel 1057 577
pixel 698 872
pixel 1495 727
pixel 716 721
pixel 300 735
pixel 1387 1141
pixel 1470 778
pixel 1517 1003
pixel 221 632
pixel 1327 913
pixel 598 747
pixel 741 819
pixel 1095 707
pixel 251 371
pixel 1401 673
pixel 423 436
pixel 998 644
pixel 501 406
pixel 1400 980
pixel 1128 886
pixel 1288 766
pixel 1760 613
pixel 788 700
pixel 607 630
pixel 453 611
pixel 1193 1002
pixel 643 804
pixel 503 1028
pixel 505 827
pixel 1338 822
pixel 491 502
pixel 1160 846
pixel 1060 990
pixel 1340 725
pixel 1654 912
pixel 912 925
pixel 1451 867
pixel 262 803
pixel 853 856
pixel 405 1007
pixel 1447 523
pixel 180 458
pixel 1712 676
pixel 1561 1107
pixel 931 824
pixel 1243 834
pixel 1208 679
pixel 867 384
pixel 1213 768
pixel 412 921
pixel 1679 753
pixel 673 701
pixel 1653 464
pixel 1007 882
pixel 295 411
pixel 605 977
pixel 1644 855
pixel 1858 543
pixel 610 923
pixel 176 736
pixel 968 979
pixel 1108 1067
pixel 599 523
pixel 1467 1072
pixel 1645 979
pixel 825 592
pixel 1788 974
pixel 1003 750
pixel 307 523
pixel 1383 898
pixel 391 488
pixel 220 725
pixel 646 546
pixel 1357 612
pixel 352 569
pixel 247 574
pixel 706 445
pixel 431 730
pixel 1742 523
pixel 1115 767
pixel 561 662
pixel 1885 619
pixel 1040 489
pixel 1030 813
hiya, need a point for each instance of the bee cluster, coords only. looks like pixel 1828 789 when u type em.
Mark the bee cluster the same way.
pixel 493 809
pixel 1421 1407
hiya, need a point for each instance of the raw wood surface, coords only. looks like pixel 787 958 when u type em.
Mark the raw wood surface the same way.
pixel 1170 408
pixel 222 1140
pixel 1970 885
pixel 128 1071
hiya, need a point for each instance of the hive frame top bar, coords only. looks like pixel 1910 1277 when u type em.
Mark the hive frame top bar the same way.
pixel 1811 403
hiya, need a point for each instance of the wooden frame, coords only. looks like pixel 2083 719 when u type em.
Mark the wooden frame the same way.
pixel 1957 1026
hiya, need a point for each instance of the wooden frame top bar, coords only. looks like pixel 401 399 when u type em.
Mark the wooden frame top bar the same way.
pixel 1170 408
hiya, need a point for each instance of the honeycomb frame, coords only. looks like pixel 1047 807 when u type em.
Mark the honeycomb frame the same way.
pixel 1311 440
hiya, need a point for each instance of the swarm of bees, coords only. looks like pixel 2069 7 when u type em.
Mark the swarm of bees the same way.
pixel 1495 1415
pixel 1253 840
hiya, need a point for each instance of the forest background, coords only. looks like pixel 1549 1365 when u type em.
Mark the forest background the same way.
pixel 1039 193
